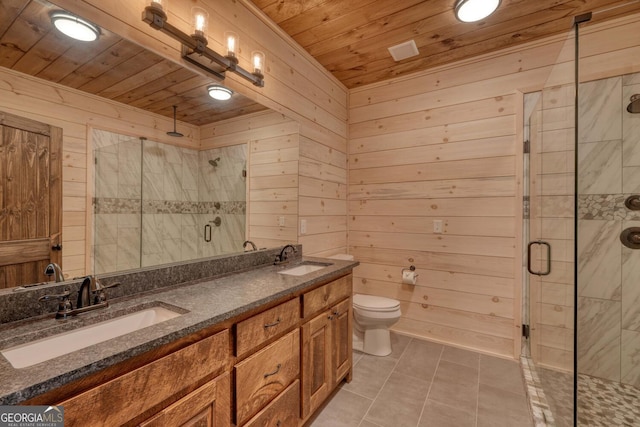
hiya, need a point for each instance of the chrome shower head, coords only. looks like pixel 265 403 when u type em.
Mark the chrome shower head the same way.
pixel 214 163
pixel 634 105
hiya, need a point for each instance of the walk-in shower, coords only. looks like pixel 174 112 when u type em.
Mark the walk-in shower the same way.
pixel 157 203
pixel 582 245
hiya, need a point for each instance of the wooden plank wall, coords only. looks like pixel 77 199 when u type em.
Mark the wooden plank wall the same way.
pixel 446 145
pixel 272 172
pixel 323 192
pixel 75 112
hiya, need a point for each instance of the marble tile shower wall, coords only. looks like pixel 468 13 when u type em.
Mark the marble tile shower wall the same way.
pixel 153 201
pixel 608 285
pixel 117 194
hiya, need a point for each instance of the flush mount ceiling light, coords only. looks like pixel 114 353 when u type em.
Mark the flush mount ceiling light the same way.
pixel 74 26
pixel 219 93
pixel 475 10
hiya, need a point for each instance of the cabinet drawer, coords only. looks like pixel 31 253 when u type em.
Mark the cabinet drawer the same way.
pixel 284 411
pixel 325 296
pixel 262 376
pixel 257 329
pixel 122 399
pixel 206 406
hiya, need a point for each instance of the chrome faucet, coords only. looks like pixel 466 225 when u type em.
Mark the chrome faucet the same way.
pixel 282 257
pixel 249 242
pixel 54 269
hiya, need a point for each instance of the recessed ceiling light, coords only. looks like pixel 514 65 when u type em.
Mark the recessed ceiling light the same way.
pixel 74 26
pixel 219 92
pixel 475 10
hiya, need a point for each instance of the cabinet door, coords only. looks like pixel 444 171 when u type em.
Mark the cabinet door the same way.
pixel 208 406
pixel 342 340
pixel 316 364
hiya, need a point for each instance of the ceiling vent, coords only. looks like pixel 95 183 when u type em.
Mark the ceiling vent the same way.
pixel 403 50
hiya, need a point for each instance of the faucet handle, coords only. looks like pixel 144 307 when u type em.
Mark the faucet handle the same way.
pixel 100 294
pixel 64 305
pixel 63 296
pixel 112 285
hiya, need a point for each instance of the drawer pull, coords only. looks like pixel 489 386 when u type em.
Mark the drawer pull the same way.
pixel 274 372
pixel 271 325
pixel 326 297
pixel 278 423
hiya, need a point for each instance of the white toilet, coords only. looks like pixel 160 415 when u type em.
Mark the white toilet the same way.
pixel 372 317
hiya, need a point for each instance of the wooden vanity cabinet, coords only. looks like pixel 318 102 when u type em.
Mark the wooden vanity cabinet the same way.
pixel 274 368
pixel 123 399
pixel 326 342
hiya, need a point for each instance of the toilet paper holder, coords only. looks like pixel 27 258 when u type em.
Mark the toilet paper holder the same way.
pixel 411 268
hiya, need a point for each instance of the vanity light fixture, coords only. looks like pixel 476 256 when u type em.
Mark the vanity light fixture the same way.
pixel 219 92
pixel 475 10
pixel 74 26
pixel 195 49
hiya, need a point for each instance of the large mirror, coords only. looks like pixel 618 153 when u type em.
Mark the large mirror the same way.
pixel 151 201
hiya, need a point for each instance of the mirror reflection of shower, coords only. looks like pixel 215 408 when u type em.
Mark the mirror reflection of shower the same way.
pixel 214 162
pixel 634 105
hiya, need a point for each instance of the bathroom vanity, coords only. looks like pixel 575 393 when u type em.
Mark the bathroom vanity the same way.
pixel 254 347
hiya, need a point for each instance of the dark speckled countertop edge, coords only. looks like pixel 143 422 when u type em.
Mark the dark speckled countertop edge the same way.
pixel 208 302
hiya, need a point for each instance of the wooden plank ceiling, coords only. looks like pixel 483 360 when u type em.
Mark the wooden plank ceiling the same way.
pixel 110 67
pixel 350 37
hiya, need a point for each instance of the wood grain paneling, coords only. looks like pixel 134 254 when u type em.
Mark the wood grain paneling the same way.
pixel 350 39
pixel 110 67
pixel 445 145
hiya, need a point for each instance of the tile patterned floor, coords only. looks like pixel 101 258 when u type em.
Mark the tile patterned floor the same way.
pixel 601 403
pixel 424 384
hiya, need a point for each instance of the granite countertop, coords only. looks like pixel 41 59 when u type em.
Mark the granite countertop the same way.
pixel 204 303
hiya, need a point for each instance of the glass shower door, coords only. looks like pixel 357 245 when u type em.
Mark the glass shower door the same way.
pixel 550 129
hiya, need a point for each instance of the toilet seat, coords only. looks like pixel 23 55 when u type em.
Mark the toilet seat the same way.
pixel 375 303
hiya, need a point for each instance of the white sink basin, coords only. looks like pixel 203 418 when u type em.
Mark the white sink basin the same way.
pixel 24 355
pixel 303 269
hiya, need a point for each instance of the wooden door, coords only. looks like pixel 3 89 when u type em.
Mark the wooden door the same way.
pixel 316 362
pixel 342 340
pixel 30 199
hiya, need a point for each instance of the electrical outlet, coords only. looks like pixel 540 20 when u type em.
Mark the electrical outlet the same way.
pixel 303 226
pixel 281 221
pixel 437 226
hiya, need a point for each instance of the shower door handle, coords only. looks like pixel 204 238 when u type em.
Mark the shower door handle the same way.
pixel 548 246
pixel 207 233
